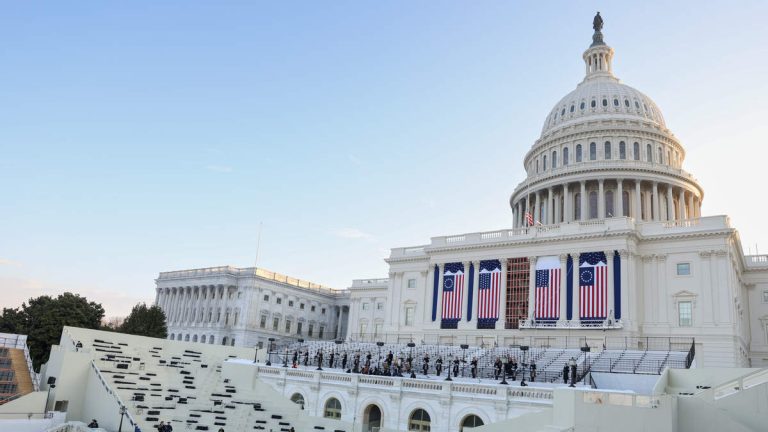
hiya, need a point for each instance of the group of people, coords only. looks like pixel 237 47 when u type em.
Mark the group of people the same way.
pixel 391 365
pixel 511 368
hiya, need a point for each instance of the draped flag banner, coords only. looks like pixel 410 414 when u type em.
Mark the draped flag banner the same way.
pixel 547 306
pixel 488 292
pixel 593 286
pixel 453 290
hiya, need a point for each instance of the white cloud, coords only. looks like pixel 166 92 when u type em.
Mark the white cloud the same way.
pixel 10 263
pixel 353 233
pixel 220 168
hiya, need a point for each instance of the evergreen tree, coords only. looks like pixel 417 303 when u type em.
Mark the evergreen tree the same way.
pixel 145 321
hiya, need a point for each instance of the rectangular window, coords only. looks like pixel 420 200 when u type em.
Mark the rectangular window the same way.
pixel 363 328
pixel 410 313
pixel 261 344
pixel 301 306
pixel 322 311
pixel 366 306
pixel 287 326
pixel 312 309
pixel 607 149
pixel 683 269
pixel 290 303
pixel 765 296
pixel 263 322
pixel 320 332
pixel 309 331
pixel 411 283
pixel 685 311
pixel 266 297
pixel 298 328
pixel 279 300
pixel 622 150
pixel 380 306
pixel 275 324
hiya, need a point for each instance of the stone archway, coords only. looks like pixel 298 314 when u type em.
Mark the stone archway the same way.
pixel 373 419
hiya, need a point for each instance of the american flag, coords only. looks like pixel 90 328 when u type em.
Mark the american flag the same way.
pixel 453 289
pixel 547 288
pixel 488 291
pixel 593 286
pixel 529 218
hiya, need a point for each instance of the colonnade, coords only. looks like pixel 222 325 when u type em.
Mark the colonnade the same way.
pixel 597 199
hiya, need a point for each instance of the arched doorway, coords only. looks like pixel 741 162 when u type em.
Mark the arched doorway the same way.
pixel 372 419
pixel 332 409
pixel 419 421
pixel 298 399
pixel 470 421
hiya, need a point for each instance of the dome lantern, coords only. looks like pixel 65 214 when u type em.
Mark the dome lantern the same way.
pixel 597 58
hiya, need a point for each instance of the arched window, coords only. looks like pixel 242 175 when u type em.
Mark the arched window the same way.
pixel 636 151
pixel 332 409
pixel 593 205
pixel 625 204
pixel 576 206
pixel 609 210
pixel 544 164
pixel 537 166
pixel 224 340
pixel 554 159
pixel 173 336
pixel 626 103
pixel 622 150
pixel 210 341
pixel 578 153
pixel 565 156
pixel 372 418
pixel 298 399
pixel 593 104
pixel 661 155
pixel 605 102
pixel 419 421
pixel 592 151
pixel 649 153
pixel 186 338
pixel 615 102
pixel 608 150
pixel 581 106
pixel 573 107
pixel 470 421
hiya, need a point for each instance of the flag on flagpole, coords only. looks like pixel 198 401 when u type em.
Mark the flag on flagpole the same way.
pixel 529 218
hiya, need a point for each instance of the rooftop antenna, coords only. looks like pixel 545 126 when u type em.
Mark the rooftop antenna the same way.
pixel 258 245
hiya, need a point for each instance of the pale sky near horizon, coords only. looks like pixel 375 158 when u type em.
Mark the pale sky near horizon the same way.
pixel 140 137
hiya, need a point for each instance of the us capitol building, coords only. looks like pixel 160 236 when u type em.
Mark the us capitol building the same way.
pixel 607 241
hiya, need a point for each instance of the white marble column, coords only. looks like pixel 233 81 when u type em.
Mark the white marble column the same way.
pixel 575 318
pixel 563 287
pixel 638 203
pixel 619 197
pixel 532 287
pixel 681 204
pixel 690 206
pixel 600 199
pixel 500 324
pixel 537 215
pixel 611 269
pixel 656 202
pixel 626 314
pixel 567 212
pixel 670 204
pixel 550 207
pixel 583 201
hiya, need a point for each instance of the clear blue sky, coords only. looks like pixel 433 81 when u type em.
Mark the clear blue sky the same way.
pixel 139 137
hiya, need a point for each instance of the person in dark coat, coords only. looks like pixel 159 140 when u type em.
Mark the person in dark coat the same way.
pixel 344 361
pixel 473 367
pixel 306 358
pixel 425 366
pixel 93 424
pixel 497 368
pixel 565 374
pixel 330 359
pixel 439 366
pixel 456 362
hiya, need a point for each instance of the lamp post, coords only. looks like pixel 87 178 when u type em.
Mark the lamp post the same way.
pixel 122 413
pixel 450 366
pixel 379 344
pixel 411 345
pixel 524 349
pixel 338 343
pixel 256 356
pixel 586 349
pixel 504 362
pixel 269 352
pixel 51 385
pixel 463 358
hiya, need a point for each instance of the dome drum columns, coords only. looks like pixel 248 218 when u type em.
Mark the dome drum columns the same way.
pixel 605 198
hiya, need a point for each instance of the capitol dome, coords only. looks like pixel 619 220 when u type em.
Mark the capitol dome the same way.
pixel 605 151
